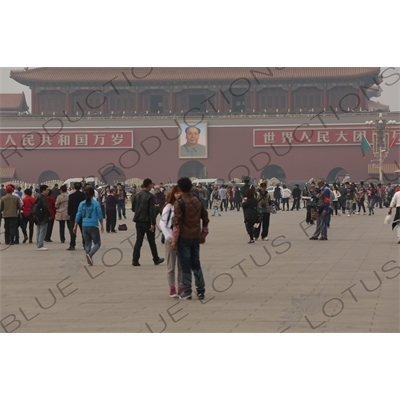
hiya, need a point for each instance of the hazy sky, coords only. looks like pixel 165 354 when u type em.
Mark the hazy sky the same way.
pixel 390 87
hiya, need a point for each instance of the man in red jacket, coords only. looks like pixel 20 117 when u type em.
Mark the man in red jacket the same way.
pixel 52 208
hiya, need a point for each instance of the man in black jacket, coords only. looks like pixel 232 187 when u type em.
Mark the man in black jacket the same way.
pixel 74 200
pixel 277 196
pixel 296 197
pixel 143 205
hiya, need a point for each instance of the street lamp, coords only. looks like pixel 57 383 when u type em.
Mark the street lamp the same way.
pixel 380 141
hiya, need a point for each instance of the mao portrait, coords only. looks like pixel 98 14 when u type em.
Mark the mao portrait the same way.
pixel 193 140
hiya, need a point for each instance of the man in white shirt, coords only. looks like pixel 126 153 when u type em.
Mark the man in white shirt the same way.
pixel 396 220
pixel 224 199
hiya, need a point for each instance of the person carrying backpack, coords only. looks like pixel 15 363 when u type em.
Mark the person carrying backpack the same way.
pixel 41 215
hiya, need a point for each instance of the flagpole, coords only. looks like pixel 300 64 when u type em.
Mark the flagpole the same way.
pixel 380 146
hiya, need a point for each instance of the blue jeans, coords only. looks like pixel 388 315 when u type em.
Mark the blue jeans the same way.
pixel 91 233
pixel 189 257
pixel 371 205
pixel 41 233
pixel 121 208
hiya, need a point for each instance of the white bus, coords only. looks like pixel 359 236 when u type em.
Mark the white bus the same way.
pixel 71 181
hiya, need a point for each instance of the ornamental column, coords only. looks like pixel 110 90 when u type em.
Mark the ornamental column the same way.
pixel 67 102
pixel 255 102
pixel 171 100
pixel 289 98
pixel 103 102
pixel 326 97
pixel 137 100
pixel 33 102
pixel 219 100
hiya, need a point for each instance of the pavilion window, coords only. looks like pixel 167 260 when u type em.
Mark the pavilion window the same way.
pixel 283 102
pixel 317 101
pixel 298 101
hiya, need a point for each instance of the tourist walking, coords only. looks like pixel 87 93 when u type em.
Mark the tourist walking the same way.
pixel 250 214
pixel 28 202
pixel 42 217
pixel 52 208
pixel 264 208
pixel 143 206
pixel 111 211
pixel 9 207
pixel 89 214
pixel 62 211
pixel 324 198
pixel 74 200
pixel 395 203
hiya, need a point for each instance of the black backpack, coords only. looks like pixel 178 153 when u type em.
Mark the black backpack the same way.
pixel 37 212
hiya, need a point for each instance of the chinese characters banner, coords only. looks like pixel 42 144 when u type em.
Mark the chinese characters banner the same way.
pixel 66 139
pixel 316 136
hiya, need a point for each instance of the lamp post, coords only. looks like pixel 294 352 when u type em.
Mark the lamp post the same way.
pixel 380 141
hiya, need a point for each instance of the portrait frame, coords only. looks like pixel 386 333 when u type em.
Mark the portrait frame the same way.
pixel 184 150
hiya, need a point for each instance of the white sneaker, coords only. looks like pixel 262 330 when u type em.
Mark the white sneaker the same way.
pixel 358 213
pixel 348 215
pixel 42 249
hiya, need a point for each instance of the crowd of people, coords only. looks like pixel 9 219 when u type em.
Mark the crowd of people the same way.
pixel 184 218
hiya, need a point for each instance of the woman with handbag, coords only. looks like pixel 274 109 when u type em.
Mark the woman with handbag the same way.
pixel 250 213
pixel 28 201
pixel 62 211
pixel 173 263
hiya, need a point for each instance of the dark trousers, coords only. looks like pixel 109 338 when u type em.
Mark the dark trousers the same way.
pixel 62 229
pixel 24 224
pixel 121 209
pixel 250 229
pixel 111 220
pixel 224 204
pixel 361 204
pixel 336 207
pixel 49 230
pixel 103 209
pixel 277 201
pixel 143 228
pixel 237 204
pixel 10 229
pixel 72 242
pixel 265 227
pixel 296 204
pixel 189 257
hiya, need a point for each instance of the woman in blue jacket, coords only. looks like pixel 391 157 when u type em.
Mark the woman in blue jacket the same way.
pixel 89 211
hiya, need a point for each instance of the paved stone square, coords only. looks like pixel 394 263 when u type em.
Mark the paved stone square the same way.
pixel 349 283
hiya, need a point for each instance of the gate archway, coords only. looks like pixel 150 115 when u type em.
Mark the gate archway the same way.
pixel 48 175
pixel 336 174
pixel 273 171
pixel 112 175
pixel 193 169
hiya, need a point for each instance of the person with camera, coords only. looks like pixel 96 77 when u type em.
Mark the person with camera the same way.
pixel 323 209
pixel 264 208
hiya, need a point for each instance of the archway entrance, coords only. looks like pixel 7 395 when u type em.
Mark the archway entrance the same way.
pixel 113 175
pixel 336 174
pixel 48 175
pixel 193 169
pixel 273 171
